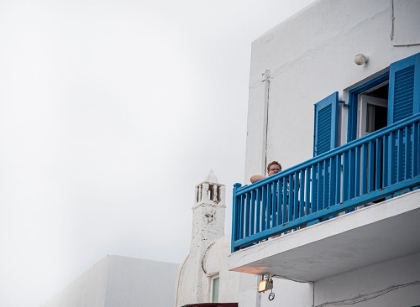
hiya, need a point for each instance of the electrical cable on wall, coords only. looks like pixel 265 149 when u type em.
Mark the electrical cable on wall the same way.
pixel 367 297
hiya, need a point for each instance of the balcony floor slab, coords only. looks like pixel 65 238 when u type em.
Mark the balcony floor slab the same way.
pixel 373 234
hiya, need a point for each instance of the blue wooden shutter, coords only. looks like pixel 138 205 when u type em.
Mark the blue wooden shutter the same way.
pixel 403 101
pixel 404 89
pixel 325 129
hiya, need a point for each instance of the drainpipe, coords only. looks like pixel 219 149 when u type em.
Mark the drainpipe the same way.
pixel 266 80
pixel 392 20
pixel 258 298
pixel 258 302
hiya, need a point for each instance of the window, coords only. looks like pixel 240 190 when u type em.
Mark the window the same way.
pixel 395 93
pixel 372 95
pixel 392 96
pixel 215 282
pixel 373 110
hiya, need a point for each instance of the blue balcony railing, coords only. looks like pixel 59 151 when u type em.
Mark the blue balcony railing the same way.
pixel 368 169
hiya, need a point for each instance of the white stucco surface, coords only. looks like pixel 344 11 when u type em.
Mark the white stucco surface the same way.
pixel 138 282
pixel 117 281
pixel 88 290
pixel 209 250
pixel 385 284
pixel 310 56
pixel 216 262
pixel 406 24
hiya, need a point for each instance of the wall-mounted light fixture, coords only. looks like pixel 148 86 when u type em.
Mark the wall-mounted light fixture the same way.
pixel 266 283
pixel 361 59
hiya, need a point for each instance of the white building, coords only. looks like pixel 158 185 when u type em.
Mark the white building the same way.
pixel 334 95
pixel 204 276
pixel 117 281
pixel 203 279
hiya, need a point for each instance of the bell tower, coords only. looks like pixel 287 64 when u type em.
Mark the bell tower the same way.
pixel 194 281
pixel 208 213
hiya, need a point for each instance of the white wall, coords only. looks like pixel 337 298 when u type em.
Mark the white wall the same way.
pixel 117 281
pixel 195 275
pixel 248 295
pixel 287 293
pixel 385 284
pixel 136 282
pixel 89 290
pixel 216 262
pixel 310 56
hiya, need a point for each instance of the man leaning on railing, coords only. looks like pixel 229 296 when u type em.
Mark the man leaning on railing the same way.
pixel 273 168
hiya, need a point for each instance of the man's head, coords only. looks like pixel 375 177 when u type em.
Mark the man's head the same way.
pixel 273 168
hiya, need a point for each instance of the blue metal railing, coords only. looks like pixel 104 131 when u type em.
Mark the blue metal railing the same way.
pixel 365 170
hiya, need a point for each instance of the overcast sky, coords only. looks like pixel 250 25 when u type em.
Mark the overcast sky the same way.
pixel 110 113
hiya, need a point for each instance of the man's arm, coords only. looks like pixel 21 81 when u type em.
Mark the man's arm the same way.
pixel 256 178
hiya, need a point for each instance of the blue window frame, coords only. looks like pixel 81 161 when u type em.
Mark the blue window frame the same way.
pixel 403 96
pixel 325 124
pixel 353 103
